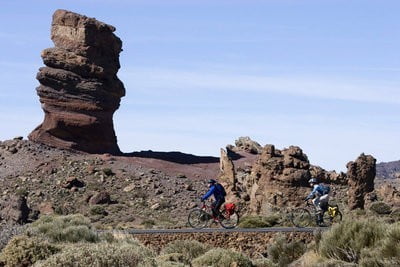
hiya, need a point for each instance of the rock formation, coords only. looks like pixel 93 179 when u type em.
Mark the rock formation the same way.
pixel 360 175
pixel 79 88
pixel 278 178
pixel 328 177
pixel 247 145
pixel 227 170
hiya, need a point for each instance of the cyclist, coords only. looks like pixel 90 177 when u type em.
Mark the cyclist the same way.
pixel 320 195
pixel 218 191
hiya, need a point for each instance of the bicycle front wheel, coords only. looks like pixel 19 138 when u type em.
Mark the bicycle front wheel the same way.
pixel 198 218
pixel 301 217
pixel 230 221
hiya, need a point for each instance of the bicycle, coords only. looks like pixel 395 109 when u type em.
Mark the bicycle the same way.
pixel 200 217
pixel 303 217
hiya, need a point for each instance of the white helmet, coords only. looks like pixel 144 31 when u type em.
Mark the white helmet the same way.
pixel 312 181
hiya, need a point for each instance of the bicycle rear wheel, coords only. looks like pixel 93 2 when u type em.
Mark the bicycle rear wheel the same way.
pixel 230 221
pixel 198 218
pixel 301 217
pixel 329 220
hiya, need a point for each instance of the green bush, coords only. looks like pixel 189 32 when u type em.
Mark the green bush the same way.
pixel 222 258
pixel 380 208
pixel 264 262
pixel 190 249
pixel 282 253
pixel 69 228
pixel 101 254
pixel 172 259
pixel 24 251
pixel 8 231
pixel 98 210
pixel 346 241
pixel 255 221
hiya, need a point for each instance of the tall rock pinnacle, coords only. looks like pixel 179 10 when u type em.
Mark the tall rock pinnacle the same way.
pixel 79 88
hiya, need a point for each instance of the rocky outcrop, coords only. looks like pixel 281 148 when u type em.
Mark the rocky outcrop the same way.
pixel 278 178
pixel 227 170
pixel 360 175
pixel 328 177
pixel 15 210
pixel 247 145
pixel 79 88
pixel 389 194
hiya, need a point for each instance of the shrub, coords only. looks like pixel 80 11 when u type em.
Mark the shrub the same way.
pixel 255 221
pixel 172 259
pixel 263 262
pixel 282 253
pixel 101 254
pixel 98 210
pixel 381 208
pixel 9 231
pixel 24 251
pixel 222 258
pixel 345 241
pixel 190 249
pixel 69 228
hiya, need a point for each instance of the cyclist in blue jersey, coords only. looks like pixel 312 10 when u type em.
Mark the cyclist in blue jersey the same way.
pixel 218 191
pixel 320 195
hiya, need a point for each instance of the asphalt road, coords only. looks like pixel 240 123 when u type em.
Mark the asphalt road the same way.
pixel 218 230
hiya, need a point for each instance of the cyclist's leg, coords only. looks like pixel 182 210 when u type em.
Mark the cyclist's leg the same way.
pixel 217 206
pixel 323 202
pixel 317 202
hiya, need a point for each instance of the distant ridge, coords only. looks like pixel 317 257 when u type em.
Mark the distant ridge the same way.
pixel 388 170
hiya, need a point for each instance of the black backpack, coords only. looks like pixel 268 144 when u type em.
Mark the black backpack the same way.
pixel 221 189
pixel 326 189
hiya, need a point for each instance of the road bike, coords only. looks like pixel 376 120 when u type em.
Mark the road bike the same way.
pixel 202 216
pixel 308 216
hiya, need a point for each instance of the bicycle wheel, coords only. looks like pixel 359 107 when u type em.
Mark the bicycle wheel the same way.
pixel 301 217
pixel 230 221
pixel 329 220
pixel 198 218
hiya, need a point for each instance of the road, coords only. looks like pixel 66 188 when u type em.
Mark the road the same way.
pixel 218 230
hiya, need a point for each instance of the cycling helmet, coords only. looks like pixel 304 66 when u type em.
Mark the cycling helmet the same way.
pixel 212 181
pixel 313 181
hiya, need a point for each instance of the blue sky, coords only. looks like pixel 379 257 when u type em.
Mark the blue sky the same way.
pixel 323 75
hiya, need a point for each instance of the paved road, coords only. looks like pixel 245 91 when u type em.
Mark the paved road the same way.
pixel 218 230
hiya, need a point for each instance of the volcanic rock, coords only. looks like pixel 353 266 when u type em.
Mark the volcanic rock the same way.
pixel 79 88
pixel 227 169
pixel 278 178
pixel 360 175
pixel 248 145
pixel 15 210
pixel 100 198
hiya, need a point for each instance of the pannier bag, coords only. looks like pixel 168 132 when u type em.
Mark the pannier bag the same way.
pixel 230 208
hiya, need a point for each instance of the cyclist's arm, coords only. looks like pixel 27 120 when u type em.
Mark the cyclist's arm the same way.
pixel 312 193
pixel 208 194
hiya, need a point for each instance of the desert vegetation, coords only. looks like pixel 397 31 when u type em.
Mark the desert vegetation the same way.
pixel 72 241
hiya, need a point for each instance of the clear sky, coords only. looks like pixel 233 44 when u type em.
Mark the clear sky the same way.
pixel 320 74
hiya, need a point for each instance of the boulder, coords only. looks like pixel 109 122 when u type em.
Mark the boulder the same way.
pixel 360 174
pixel 100 198
pixel 79 88
pixel 15 210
